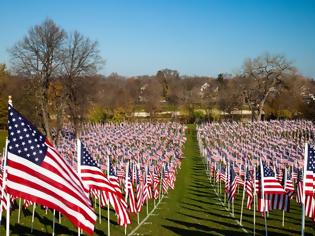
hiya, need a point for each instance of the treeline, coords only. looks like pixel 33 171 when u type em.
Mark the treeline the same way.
pixel 54 79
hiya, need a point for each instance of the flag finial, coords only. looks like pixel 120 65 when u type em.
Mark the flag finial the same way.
pixel 10 100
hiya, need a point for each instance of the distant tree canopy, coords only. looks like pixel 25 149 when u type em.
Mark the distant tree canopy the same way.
pixel 54 78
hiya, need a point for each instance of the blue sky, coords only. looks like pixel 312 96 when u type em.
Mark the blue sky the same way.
pixel 139 37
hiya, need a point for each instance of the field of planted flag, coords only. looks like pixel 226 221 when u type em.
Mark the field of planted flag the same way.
pixel 121 167
pixel 116 179
pixel 272 162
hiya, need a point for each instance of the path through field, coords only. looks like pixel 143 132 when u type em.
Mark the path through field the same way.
pixel 194 208
pixel 191 209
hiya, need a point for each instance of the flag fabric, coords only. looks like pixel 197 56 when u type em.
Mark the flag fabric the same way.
pixel 156 182
pixel 232 183
pixel 92 175
pixel 130 192
pixel 309 182
pixel 139 190
pixel 299 187
pixel 116 199
pixel 249 188
pixel 3 199
pixel 289 185
pixel 270 185
pixel 37 173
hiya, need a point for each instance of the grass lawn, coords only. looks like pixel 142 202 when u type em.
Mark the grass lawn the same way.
pixel 193 208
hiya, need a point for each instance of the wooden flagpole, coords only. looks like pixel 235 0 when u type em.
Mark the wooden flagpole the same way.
pixel 53 229
pixel 126 191
pixel 108 215
pixel 303 193
pixel 285 180
pixel 33 215
pixel 99 208
pixel 4 175
pixel 243 197
pixel 254 199
pixel 19 213
pixel 146 180
pixel 79 166
pixel 263 197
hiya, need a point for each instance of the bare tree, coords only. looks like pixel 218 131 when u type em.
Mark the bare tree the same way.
pixel 80 57
pixel 262 76
pixel 36 56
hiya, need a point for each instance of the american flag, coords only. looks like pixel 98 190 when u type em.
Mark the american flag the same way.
pixel 309 181
pixel 299 186
pixel 288 185
pixel 156 182
pixel 130 192
pixel 309 175
pixel 232 183
pixel 116 199
pixel 37 173
pixel 270 185
pixel 249 188
pixel 164 174
pixel 139 190
pixel 91 173
pixel 147 187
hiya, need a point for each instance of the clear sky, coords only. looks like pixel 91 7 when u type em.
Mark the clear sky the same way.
pixel 139 37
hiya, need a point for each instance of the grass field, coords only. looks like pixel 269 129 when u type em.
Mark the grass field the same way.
pixel 193 208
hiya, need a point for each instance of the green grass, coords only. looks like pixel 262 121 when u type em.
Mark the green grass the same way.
pixel 192 208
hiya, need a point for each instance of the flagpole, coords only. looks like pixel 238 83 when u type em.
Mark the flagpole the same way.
pixel 19 213
pixel 263 196
pixel 79 166
pixel 53 229
pixel 8 216
pixel 99 208
pixel 243 198
pixel 285 180
pixel 4 175
pixel 33 214
pixel 108 219
pixel 126 191
pixel 254 198
pixel 303 193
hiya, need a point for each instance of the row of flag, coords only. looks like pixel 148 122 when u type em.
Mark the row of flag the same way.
pixel 273 184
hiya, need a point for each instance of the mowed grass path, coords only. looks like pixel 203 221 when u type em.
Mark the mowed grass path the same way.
pixel 193 207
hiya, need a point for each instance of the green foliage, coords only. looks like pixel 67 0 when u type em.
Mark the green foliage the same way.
pixel 3 135
pixel 97 114
pixel 117 117
pixel 3 114
pixel 215 114
pixel 284 114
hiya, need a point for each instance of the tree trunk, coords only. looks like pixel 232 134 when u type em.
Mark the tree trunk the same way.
pixel 46 120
